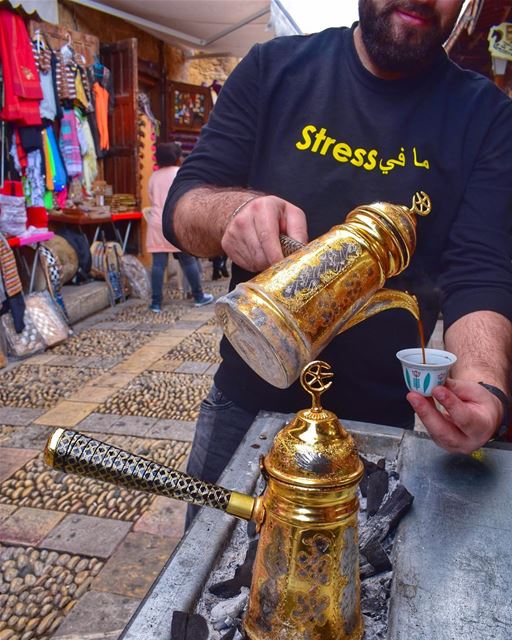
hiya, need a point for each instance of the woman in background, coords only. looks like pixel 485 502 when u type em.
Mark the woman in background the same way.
pixel 168 158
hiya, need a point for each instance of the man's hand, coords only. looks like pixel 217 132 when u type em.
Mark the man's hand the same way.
pixel 251 238
pixel 468 418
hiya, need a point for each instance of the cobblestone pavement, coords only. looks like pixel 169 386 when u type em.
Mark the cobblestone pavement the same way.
pixel 77 556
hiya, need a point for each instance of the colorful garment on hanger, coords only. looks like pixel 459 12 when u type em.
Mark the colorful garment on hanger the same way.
pixel 22 90
pixel 53 162
pixel 17 153
pixel 87 87
pixel 43 59
pixel 69 144
pixel 35 178
pixel 81 97
pixel 101 98
pixel 66 72
pixel 89 161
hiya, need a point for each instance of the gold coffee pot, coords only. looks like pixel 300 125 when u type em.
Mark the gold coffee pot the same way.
pixel 306 574
pixel 283 318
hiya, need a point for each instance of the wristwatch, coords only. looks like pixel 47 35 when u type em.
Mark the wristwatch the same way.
pixel 501 431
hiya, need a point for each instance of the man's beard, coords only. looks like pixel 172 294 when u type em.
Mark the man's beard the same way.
pixel 404 49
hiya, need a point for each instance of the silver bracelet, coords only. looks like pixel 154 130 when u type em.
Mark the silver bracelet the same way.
pixel 241 206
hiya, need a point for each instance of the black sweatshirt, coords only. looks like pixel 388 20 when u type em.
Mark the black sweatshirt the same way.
pixel 301 118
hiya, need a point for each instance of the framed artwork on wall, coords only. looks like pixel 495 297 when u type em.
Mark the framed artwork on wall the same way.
pixel 190 106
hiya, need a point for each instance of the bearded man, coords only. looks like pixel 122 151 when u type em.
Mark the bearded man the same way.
pixel 305 129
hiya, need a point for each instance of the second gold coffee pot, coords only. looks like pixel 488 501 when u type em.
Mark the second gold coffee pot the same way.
pixel 285 316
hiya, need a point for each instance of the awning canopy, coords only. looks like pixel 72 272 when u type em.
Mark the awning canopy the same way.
pixel 221 27
pixel 226 27
pixel 47 10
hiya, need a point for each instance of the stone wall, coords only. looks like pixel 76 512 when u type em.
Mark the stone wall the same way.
pixel 207 69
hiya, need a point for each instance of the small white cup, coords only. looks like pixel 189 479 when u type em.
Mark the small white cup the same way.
pixel 423 377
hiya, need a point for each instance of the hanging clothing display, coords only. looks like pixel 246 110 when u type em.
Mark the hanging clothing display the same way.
pixel 58 125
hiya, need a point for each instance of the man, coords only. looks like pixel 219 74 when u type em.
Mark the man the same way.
pixel 314 126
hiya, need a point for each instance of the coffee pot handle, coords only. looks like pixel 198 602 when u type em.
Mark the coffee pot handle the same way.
pixel 289 245
pixel 74 452
pixel 383 300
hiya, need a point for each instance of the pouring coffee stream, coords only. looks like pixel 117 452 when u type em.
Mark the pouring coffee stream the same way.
pixel 285 316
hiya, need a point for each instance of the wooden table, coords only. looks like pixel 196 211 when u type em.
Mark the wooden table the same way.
pixel 82 218
pixel 128 216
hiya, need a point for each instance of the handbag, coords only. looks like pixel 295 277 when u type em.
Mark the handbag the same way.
pixel 106 264
pixel 52 270
pixel 44 327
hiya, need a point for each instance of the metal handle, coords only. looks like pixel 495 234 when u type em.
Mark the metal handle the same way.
pixel 289 245
pixel 73 452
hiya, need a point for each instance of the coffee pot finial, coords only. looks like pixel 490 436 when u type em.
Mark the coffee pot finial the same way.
pixel 314 379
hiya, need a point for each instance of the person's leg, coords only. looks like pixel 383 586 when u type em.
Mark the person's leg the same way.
pixel 157 278
pixel 223 267
pixel 191 270
pixel 217 263
pixel 220 428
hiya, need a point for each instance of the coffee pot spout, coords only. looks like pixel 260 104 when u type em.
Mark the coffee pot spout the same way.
pixel 383 300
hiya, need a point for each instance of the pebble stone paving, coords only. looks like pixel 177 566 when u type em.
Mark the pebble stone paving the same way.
pixel 36 386
pixel 148 374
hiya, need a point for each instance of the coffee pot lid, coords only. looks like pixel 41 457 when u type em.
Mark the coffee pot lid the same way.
pixel 314 450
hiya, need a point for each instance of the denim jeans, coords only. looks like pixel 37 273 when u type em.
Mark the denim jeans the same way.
pixel 190 268
pixel 220 428
pixel 158 268
pixel 192 273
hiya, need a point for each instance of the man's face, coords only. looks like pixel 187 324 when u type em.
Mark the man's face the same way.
pixel 404 35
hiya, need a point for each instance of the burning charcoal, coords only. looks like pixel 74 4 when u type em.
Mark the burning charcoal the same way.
pixel 375 554
pixel 187 626
pixel 373 599
pixel 366 570
pixel 179 625
pixel 387 517
pixel 369 468
pixel 378 484
pixel 242 577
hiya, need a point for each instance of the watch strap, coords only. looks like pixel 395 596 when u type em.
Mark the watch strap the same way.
pixel 501 431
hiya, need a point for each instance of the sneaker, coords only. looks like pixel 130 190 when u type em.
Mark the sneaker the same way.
pixel 155 308
pixel 206 299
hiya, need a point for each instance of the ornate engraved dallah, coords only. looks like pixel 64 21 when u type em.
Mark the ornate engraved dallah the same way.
pixel 283 318
pixel 306 576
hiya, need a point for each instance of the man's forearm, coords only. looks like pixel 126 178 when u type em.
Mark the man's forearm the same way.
pixel 482 342
pixel 201 216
